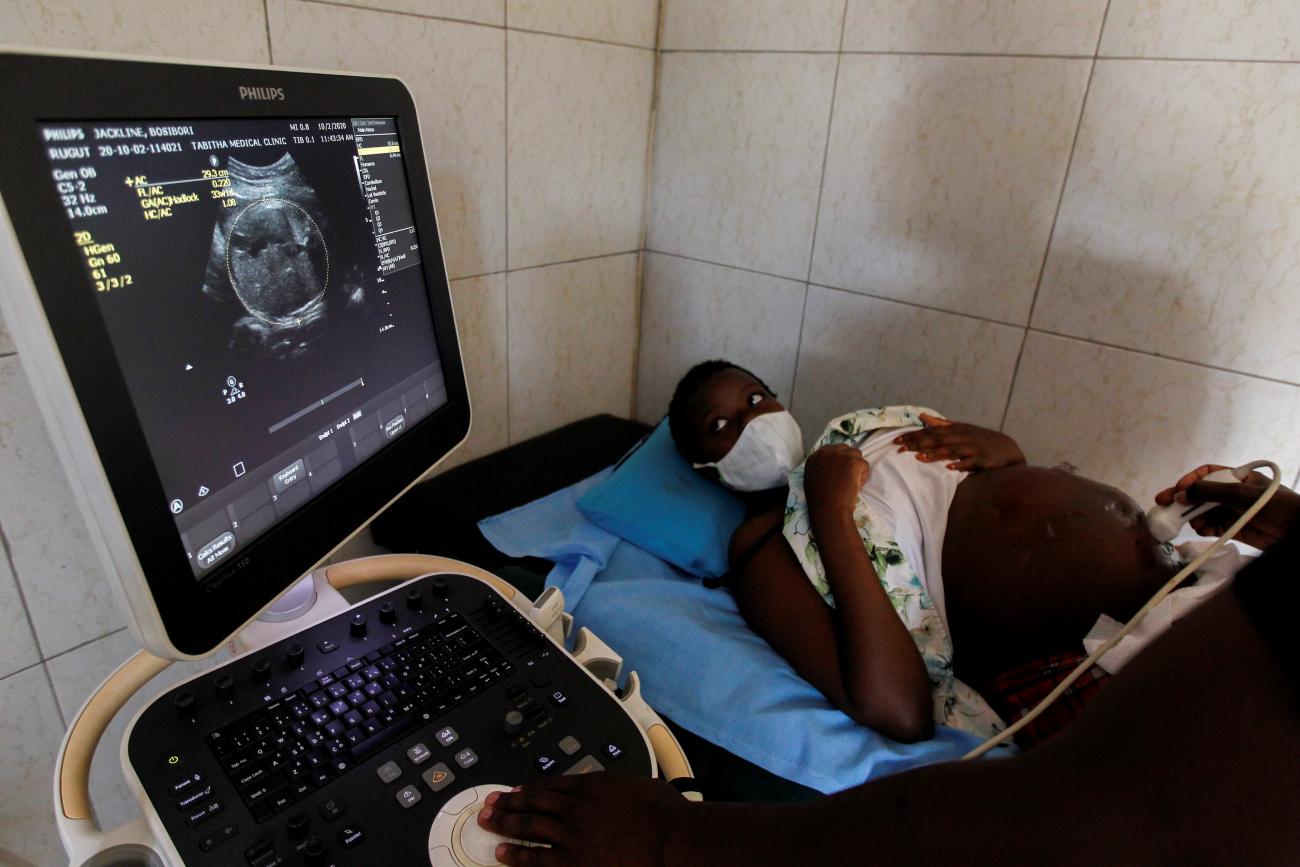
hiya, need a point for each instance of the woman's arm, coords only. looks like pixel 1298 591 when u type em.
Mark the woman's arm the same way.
pixel 858 654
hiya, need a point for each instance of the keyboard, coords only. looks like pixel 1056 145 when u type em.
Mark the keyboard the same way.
pixel 339 745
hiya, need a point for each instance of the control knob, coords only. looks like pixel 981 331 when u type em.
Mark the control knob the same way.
pixel 388 613
pixel 225 687
pixel 261 670
pixel 440 588
pixel 358 626
pixel 297 826
pixel 514 722
pixel 315 852
pixel 414 599
pixel 187 706
pixel 294 655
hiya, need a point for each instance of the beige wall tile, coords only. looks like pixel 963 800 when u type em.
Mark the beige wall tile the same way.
pixel 1139 422
pixel 457 74
pixel 1221 29
pixel 17 642
pixel 985 27
pixel 1178 231
pixel 631 22
pixel 31 733
pixel 75 676
pixel 481 321
pixel 579 129
pixel 65 587
pixel 942 178
pixel 482 11
pixel 753 25
pixel 692 311
pixel 6 342
pixel 738 157
pixel 858 352
pixel 572 342
pixel 207 29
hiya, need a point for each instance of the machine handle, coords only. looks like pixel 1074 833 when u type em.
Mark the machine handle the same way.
pixel 72 792
pixel 399 567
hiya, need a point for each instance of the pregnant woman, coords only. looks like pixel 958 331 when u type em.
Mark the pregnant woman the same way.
pixel 910 558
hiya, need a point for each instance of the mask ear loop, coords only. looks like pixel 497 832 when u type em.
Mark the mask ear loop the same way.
pixel 1155 600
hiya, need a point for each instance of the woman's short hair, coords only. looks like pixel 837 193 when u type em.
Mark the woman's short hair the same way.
pixel 686 389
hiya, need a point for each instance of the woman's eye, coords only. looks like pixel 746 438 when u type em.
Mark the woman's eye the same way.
pixel 717 425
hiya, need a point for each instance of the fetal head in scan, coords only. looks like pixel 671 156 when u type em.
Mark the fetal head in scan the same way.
pixel 271 256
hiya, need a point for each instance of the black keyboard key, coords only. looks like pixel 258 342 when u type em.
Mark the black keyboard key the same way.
pixel 216 838
pixel 372 744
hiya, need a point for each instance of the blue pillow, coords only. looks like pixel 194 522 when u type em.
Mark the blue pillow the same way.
pixel 656 501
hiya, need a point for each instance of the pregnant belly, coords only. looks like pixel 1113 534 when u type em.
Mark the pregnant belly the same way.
pixel 1033 556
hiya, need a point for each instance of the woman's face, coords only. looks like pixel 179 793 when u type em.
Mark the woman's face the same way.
pixel 721 408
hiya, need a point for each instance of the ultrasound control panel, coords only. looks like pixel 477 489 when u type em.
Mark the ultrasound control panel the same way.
pixel 340 745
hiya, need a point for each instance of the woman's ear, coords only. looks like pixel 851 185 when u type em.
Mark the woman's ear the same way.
pixel 710 473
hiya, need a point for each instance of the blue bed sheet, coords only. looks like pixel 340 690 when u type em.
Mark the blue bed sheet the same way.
pixel 699 663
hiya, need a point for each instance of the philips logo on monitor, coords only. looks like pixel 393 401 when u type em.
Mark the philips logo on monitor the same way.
pixel 262 93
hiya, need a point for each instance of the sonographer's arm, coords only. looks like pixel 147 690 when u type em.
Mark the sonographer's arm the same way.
pixel 1281 514
pixel 1180 759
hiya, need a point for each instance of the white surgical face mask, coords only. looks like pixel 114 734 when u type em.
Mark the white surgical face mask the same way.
pixel 769 447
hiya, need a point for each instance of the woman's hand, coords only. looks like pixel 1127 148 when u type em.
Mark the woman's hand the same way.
pixel 975 448
pixel 1267 527
pixel 833 475
pixel 587 819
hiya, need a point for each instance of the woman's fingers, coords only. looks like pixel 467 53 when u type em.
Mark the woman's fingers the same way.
pixel 934 420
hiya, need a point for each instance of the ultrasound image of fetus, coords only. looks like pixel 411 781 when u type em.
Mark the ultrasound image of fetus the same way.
pixel 271 256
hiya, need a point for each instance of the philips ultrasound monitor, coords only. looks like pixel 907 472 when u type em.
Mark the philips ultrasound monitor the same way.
pixel 227 287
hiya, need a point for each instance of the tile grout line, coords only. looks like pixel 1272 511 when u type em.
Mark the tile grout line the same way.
pixel 574 261
pixel 991 54
pixel 1172 358
pixel 817 210
pixel 266 17
pixel 505 89
pixel 22 596
pixel 36 639
pixel 1093 341
pixel 472 23
pixel 1056 215
pixel 647 191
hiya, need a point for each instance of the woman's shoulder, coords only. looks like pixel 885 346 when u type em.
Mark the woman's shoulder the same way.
pixel 752 531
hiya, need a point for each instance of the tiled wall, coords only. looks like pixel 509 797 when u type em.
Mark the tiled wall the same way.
pixel 1074 220
pixel 536 136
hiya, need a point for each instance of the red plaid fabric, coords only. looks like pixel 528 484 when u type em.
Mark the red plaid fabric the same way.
pixel 1016 692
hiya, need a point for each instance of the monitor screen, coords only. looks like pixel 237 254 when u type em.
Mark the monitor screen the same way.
pixel 259 281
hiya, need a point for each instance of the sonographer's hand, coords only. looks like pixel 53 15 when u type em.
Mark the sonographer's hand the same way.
pixel 588 820
pixel 1267 527
pixel 968 447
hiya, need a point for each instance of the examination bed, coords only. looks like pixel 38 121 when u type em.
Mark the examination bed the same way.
pixel 752 728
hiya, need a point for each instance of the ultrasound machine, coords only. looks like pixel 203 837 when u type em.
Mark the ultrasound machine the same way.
pixel 227 287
